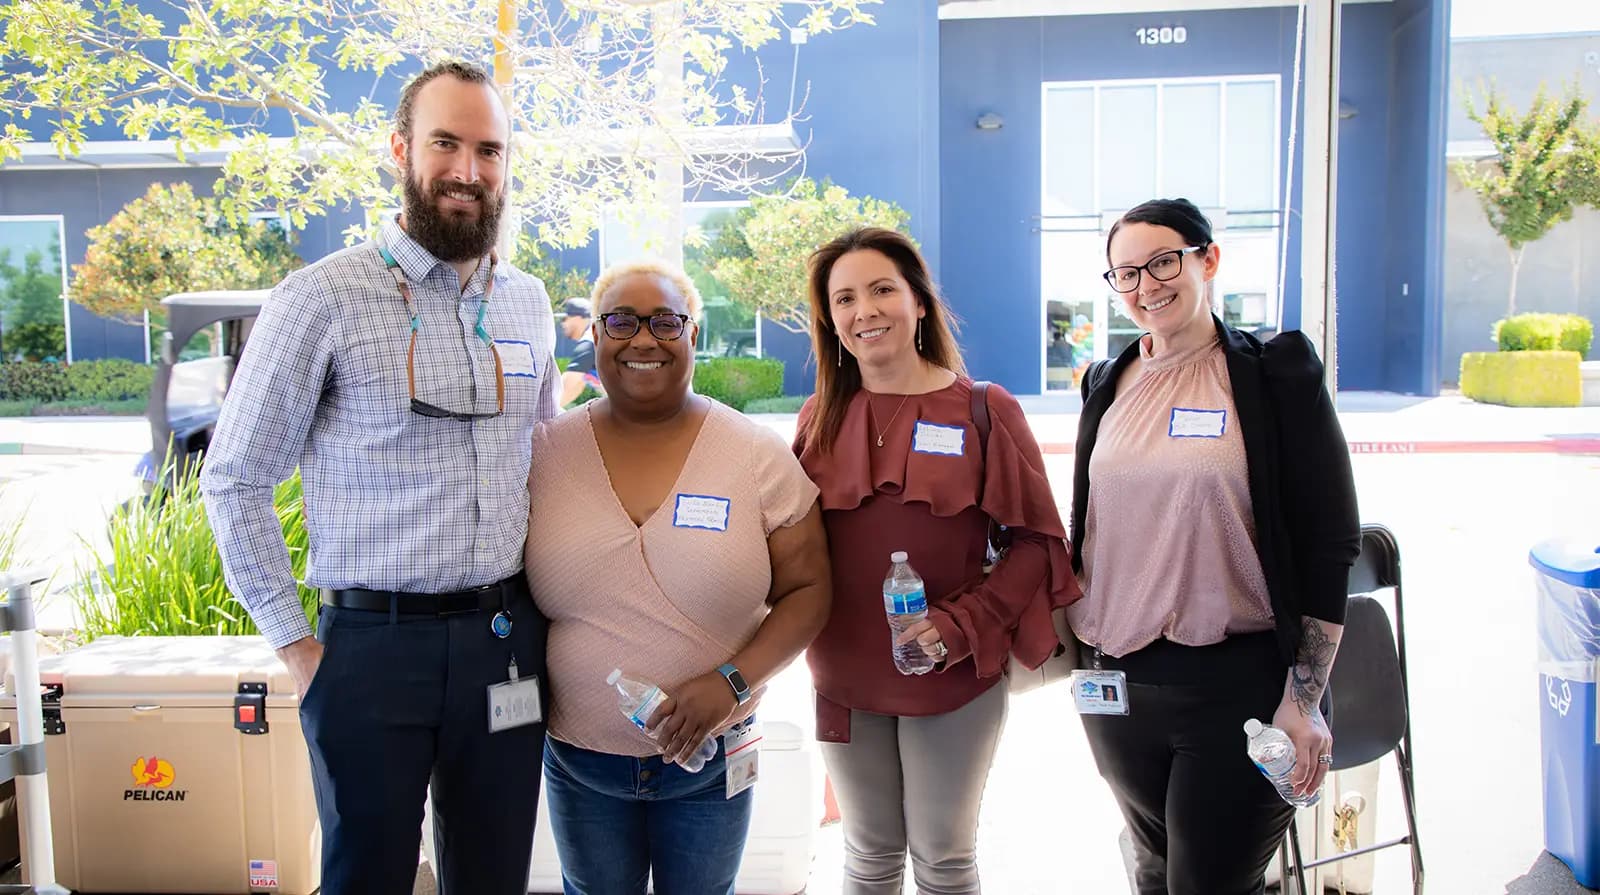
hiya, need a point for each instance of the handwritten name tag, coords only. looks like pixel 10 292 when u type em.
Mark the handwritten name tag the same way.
pixel 700 511
pixel 932 438
pixel 516 358
pixel 1189 423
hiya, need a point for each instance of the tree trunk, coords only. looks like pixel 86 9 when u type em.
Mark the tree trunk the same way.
pixel 1516 265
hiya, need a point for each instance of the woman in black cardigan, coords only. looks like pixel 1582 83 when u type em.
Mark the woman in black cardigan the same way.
pixel 1214 526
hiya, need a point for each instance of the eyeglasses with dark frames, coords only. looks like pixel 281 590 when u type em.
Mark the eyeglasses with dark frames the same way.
pixel 1163 267
pixel 664 327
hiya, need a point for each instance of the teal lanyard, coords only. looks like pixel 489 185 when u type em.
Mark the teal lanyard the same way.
pixel 411 305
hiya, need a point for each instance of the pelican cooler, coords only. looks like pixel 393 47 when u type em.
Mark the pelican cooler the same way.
pixel 177 766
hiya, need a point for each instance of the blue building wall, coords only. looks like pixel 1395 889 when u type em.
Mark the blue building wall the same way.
pixel 992 179
pixel 890 112
pixel 1419 92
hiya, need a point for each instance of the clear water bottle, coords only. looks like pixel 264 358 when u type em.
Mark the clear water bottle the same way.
pixel 905 602
pixel 1273 752
pixel 639 700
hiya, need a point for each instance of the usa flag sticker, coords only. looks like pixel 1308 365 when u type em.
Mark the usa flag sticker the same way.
pixel 263 874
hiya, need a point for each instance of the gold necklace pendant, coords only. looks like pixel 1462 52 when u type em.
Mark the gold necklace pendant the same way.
pixel 874 415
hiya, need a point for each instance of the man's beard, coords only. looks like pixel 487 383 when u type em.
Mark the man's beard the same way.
pixel 451 237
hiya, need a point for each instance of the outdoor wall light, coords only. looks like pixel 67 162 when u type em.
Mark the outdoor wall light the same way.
pixel 1346 110
pixel 989 121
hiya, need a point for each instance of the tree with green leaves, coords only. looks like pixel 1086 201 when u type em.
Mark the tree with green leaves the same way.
pixel 761 258
pixel 560 282
pixel 605 96
pixel 31 326
pixel 171 241
pixel 1547 163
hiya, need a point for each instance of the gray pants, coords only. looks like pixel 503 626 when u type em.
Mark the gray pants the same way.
pixel 916 782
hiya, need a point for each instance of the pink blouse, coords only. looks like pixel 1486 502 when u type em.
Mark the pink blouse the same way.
pixel 1169 538
pixel 665 601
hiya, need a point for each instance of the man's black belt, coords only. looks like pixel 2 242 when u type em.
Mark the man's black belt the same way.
pixel 490 596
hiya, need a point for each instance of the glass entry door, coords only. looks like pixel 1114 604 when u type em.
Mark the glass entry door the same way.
pixel 1109 145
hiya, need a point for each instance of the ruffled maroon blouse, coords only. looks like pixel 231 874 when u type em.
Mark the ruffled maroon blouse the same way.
pixel 877 500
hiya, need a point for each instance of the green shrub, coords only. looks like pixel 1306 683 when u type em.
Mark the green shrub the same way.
pixel 17 408
pixel 736 381
pixel 163 575
pixel 32 380
pixel 785 404
pixel 90 407
pixel 1522 378
pixel 1577 336
pixel 1544 332
pixel 115 379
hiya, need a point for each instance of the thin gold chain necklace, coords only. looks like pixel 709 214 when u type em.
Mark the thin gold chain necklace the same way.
pixel 874 415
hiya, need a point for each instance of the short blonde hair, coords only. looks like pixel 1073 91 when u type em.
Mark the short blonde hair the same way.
pixel 671 273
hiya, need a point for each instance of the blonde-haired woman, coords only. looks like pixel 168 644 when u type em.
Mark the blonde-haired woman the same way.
pixel 671 537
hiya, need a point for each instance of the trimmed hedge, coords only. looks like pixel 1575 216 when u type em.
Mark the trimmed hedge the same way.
pixel 1523 378
pixel 33 381
pixel 1544 332
pixel 91 380
pixel 736 381
pixel 785 404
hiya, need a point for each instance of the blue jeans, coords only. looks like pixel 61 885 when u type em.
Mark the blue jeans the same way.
pixel 620 820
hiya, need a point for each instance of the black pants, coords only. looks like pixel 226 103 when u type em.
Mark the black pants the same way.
pixel 1204 820
pixel 400 702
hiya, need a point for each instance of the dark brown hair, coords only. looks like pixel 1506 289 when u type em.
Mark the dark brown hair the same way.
pixel 838 375
pixel 1179 215
pixel 461 71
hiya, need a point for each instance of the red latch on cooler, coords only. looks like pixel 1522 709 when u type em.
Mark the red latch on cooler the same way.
pixel 250 708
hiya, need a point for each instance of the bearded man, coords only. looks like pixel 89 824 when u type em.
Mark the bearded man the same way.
pixel 404 378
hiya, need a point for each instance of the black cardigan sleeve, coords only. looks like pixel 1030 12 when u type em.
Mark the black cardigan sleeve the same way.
pixel 1317 487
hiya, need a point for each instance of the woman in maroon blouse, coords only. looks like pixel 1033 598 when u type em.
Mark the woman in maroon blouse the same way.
pixel 889 440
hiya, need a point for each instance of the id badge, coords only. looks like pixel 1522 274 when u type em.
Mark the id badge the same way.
pixel 743 760
pixel 1100 692
pixel 514 703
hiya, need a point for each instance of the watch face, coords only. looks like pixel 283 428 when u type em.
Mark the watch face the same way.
pixel 737 680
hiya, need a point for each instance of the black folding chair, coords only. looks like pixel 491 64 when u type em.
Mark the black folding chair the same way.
pixel 1370 715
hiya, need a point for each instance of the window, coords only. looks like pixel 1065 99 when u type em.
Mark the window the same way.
pixel 727 329
pixel 33 322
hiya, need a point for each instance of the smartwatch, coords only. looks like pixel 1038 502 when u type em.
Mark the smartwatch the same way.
pixel 741 688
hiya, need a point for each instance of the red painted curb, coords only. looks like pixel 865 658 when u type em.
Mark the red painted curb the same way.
pixel 1544 446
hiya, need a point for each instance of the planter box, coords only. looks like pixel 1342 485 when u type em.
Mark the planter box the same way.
pixel 1589 371
pixel 1523 378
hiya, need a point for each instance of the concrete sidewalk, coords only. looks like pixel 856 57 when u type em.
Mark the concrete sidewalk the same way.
pixel 74 435
pixel 1374 422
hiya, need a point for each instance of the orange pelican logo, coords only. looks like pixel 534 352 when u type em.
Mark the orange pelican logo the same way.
pixel 152 772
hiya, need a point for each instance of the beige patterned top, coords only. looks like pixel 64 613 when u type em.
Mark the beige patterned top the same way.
pixel 1169 538
pixel 663 601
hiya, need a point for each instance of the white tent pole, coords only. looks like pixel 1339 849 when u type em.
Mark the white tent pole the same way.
pixel 1319 183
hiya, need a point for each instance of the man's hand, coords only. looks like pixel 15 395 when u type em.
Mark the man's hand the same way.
pixel 303 656
pixel 696 709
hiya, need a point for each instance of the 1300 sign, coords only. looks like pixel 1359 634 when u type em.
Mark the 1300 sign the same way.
pixel 1151 37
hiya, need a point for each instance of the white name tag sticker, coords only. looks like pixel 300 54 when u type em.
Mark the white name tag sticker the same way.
pixel 1190 423
pixel 932 438
pixel 701 511
pixel 516 358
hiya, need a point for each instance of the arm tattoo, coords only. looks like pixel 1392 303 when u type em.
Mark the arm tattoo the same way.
pixel 1310 673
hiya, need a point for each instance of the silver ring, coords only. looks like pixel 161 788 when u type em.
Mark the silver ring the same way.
pixel 1326 759
pixel 942 649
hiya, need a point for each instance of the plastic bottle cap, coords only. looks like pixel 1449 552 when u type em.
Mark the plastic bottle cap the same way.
pixel 1253 728
pixel 898 556
pixel 614 676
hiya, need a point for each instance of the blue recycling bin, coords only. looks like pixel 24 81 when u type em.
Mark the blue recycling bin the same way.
pixel 1569 702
